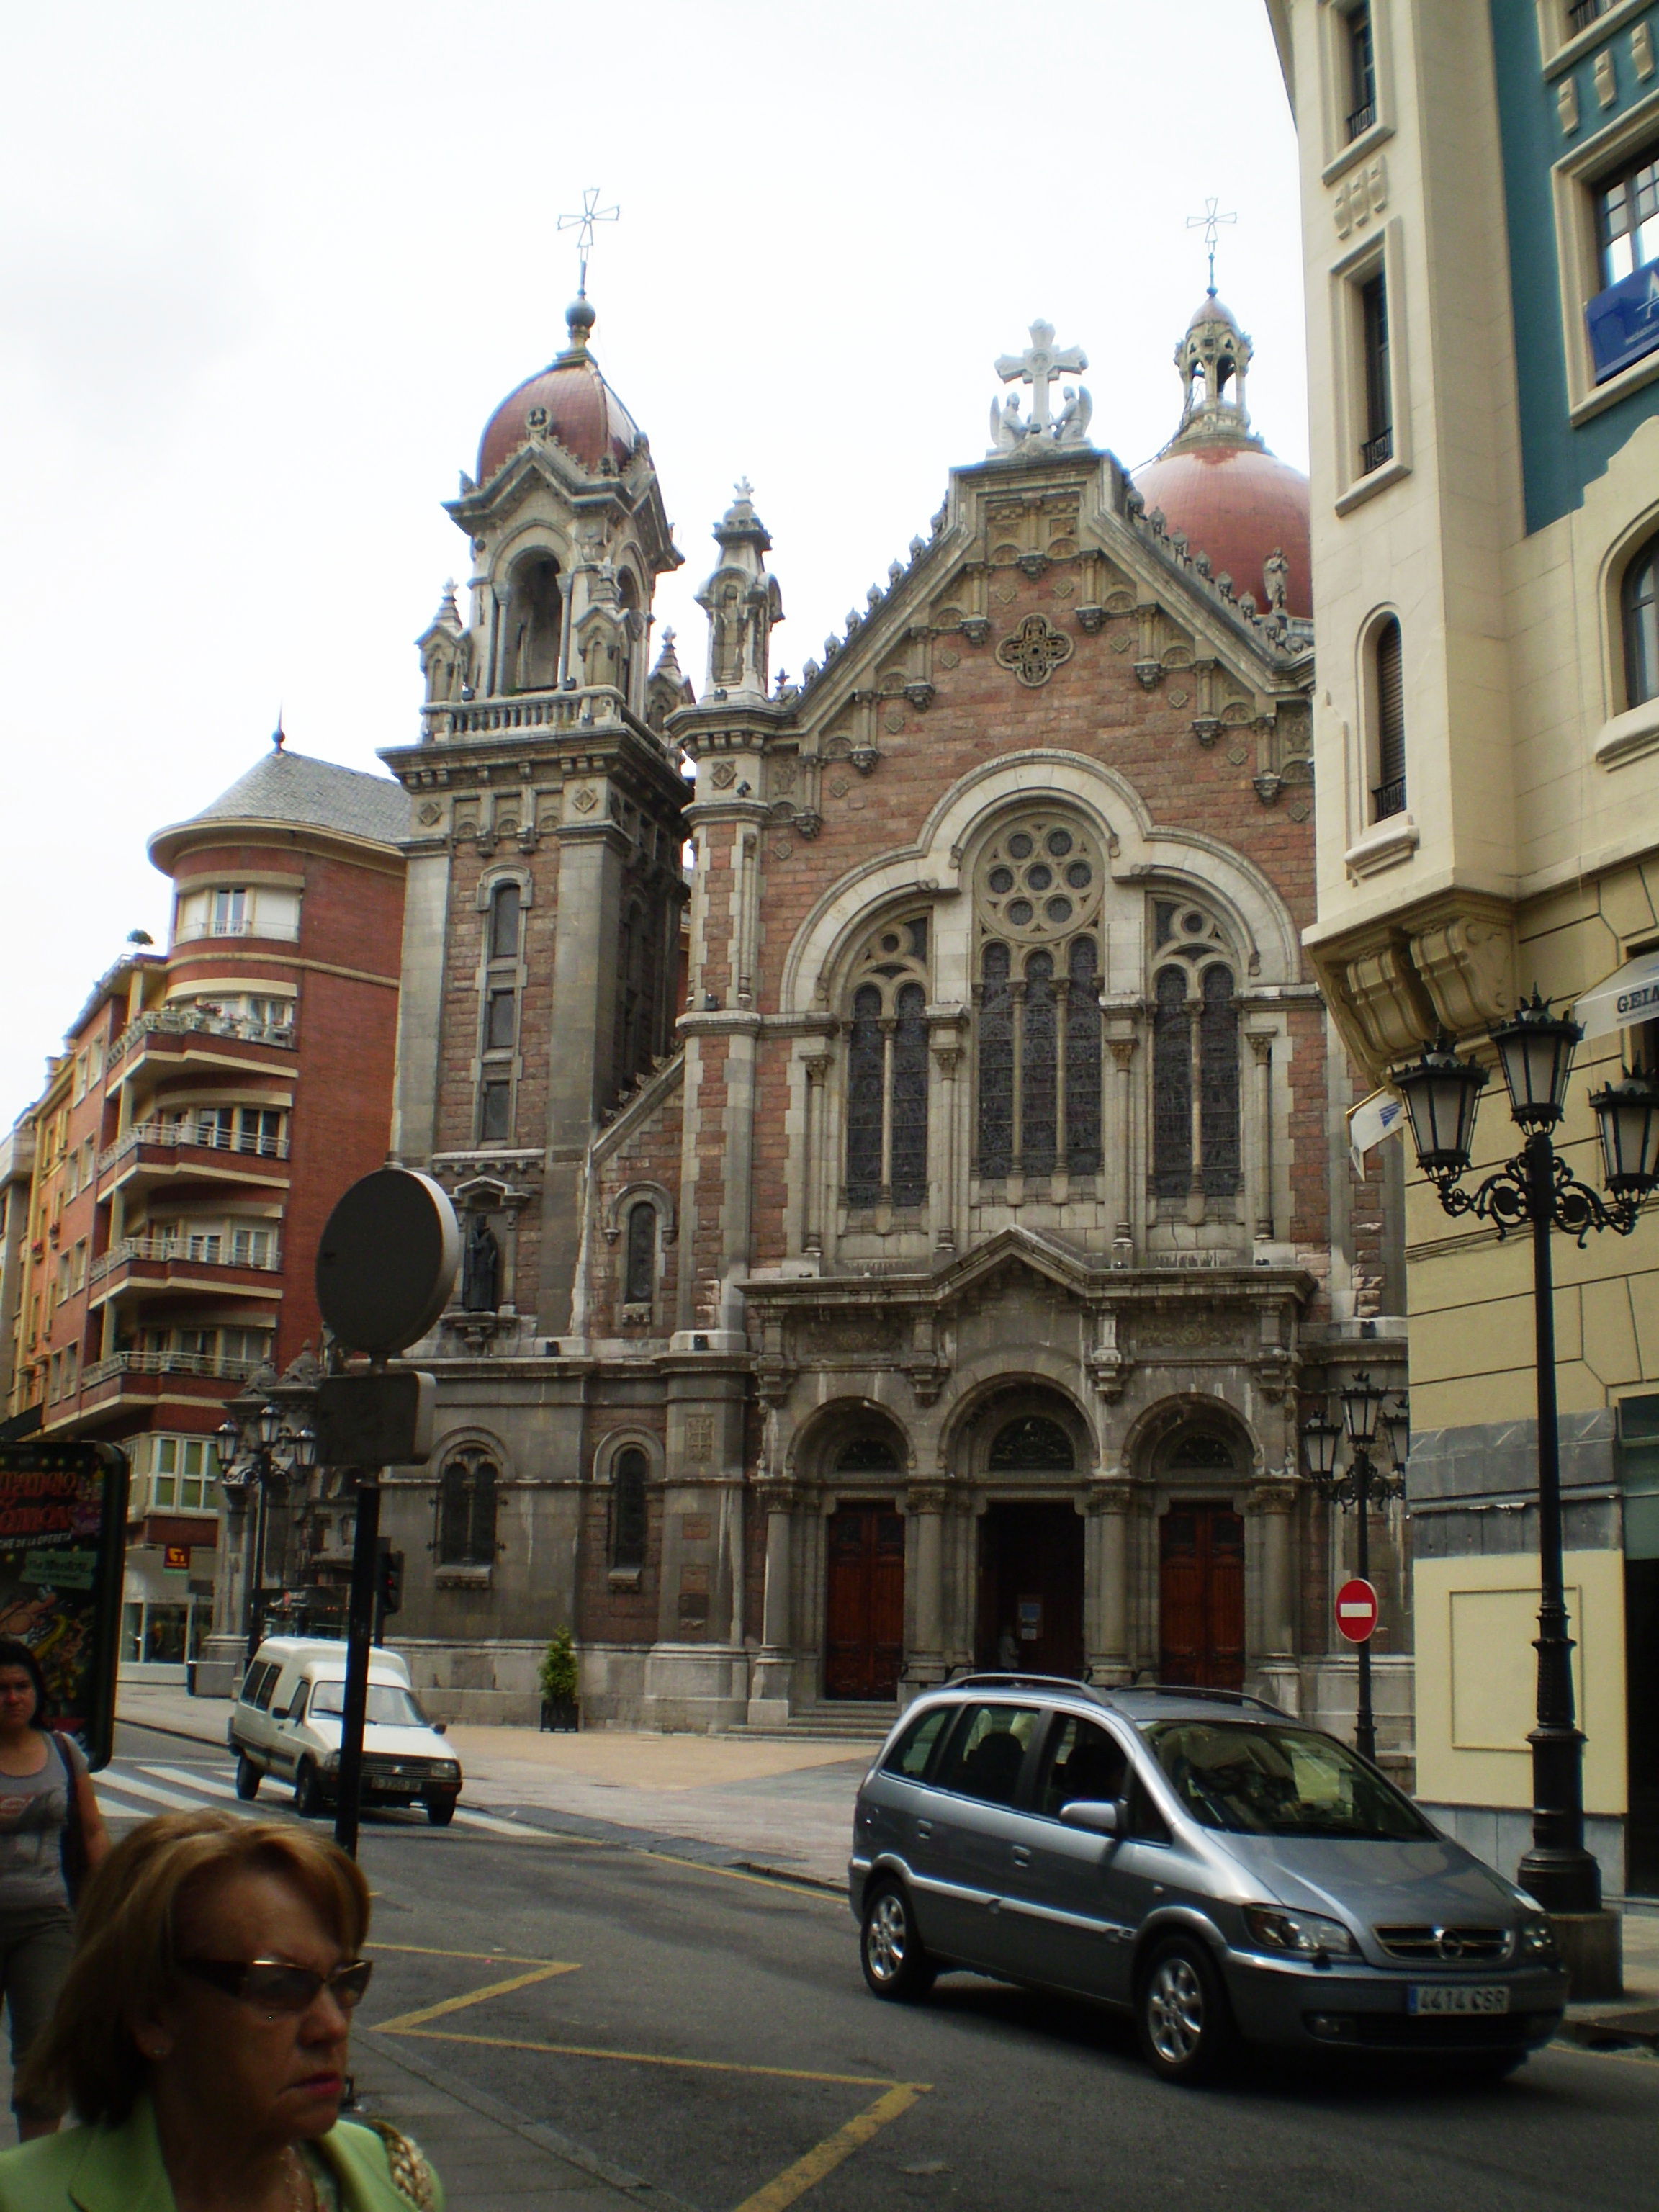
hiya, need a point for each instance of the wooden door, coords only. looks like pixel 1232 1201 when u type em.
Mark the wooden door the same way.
pixel 865 1609
pixel 1202 1597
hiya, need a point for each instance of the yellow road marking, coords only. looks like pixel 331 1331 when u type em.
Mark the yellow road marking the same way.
pixel 410 2022
pixel 736 1873
pixel 484 1958
pixel 628 2057
pixel 806 2172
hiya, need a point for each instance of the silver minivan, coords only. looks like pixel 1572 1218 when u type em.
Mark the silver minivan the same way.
pixel 287 1718
pixel 1198 1858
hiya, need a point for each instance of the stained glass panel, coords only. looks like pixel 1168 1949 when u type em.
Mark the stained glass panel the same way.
pixel 1218 1052
pixel 867 1455
pixel 641 1278
pixel 1037 1148
pixel 996 1065
pixel 1033 1442
pixel 864 1099
pixel 1172 1086
pixel 909 1139
pixel 1083 1060
pixel 627 1508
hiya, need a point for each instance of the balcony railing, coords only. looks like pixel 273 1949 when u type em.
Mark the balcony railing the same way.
pixel 1375 451
pixel 177 1021
pixel 1360 119
pixel 1584 13
pixel 1388 798
pixel 253 1144
pixel 205 1251
pixel 206 1365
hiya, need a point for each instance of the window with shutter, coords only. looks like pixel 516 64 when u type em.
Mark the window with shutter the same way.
pixel 1389 794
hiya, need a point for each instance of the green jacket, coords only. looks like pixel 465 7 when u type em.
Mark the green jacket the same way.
pixel 103 2169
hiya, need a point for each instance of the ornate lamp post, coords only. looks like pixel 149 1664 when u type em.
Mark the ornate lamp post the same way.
pixel 1362 1414
pixel 257 1453
pixel 1442 1093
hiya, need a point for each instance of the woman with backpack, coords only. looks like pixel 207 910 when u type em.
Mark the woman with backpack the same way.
pixel 51 1833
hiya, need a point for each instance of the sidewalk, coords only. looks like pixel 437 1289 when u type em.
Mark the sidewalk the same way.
pixel 778 1805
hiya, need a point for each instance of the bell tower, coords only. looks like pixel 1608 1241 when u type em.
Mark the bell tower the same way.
pixel 546 886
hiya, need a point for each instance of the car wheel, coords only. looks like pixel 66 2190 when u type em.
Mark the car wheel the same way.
pixel 248 1777
pixel 308 1791
pixel 890 1950
pixel 1185 2027
pixel 440 1811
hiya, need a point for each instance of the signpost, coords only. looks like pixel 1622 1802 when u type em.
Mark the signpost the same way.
pixel 63 1546
pixel 386 1266
pixel 1356 1611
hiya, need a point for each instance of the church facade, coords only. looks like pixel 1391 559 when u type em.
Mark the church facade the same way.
pixel 922 1251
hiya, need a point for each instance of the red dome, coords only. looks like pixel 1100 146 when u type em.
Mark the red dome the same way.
pixel 579 408
pixel 1236 503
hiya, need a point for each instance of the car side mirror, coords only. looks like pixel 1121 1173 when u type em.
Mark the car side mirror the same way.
pixel 440 1728
pixel 1100 1816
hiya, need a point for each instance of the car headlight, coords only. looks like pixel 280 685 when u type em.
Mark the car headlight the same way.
pixel 445 1770
pixel 331 1764
pixel 1304 1934
pixel 1535 1937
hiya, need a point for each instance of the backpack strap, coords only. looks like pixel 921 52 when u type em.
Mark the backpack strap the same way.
pixel 73 1849
pixel 411 2177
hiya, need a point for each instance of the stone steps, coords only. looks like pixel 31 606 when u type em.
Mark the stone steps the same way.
pixel 841 1722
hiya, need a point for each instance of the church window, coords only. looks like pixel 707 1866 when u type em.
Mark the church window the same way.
pixel 1195 1108
pixel 494 1113
pixel 1389 703
pixel 1037 999
pixel 535 610
pixel 1195 1453
pixel 867 1455
pixel 887 1071
pixel 498 1013
pixel 1032 1443
pixel 629 1514
pixel 640 1280
pixel 466 1511
pixel 498 1021
pixel 504 922
pixel 1639 598
pixel 629 595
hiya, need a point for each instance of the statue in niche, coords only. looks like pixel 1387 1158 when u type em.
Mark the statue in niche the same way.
pixel 480 1267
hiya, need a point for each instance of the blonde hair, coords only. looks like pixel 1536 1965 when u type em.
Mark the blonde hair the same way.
pixel 126 1957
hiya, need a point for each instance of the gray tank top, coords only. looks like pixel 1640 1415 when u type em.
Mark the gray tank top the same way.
pixel 34 1812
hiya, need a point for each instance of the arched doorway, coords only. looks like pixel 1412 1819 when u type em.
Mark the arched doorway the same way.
pixel 864 1597
pixel 1030 1556
pixel 1201 1571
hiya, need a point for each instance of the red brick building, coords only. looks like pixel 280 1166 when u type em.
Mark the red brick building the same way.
pixel 210 1106
pixel 948 1280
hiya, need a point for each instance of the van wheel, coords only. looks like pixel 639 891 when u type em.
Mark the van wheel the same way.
pixel 248 1777
pixel 308 1792
pixel 889 1950
pixel 1185 2029
pixel 440 1811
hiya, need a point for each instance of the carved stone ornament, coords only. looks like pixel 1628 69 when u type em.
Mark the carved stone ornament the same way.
pixel 585 800
pixel 975 628
pixel 431 812
pixel 722 775
pixel 1035 650
pixel 1207 728
pixel 920 695
pixel 1091 618
pixel 949 658
pixel 1149 674
pixel 809 821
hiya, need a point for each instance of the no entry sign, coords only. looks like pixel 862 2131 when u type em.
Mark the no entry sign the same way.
pixel 1356 1611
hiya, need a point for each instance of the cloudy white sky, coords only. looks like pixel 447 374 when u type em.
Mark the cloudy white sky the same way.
pixel 265 271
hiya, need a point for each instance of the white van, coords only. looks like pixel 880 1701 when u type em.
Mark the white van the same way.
pixel 286 1722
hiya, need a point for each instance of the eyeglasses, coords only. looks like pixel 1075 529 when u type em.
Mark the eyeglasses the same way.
pixel 275 1986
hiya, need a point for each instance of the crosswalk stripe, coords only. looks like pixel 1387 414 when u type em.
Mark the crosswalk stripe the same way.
pixel 192 1781
pixel 488 1820
pixel 132 1786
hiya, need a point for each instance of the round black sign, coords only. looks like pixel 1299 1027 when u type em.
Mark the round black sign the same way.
pixel 387 1261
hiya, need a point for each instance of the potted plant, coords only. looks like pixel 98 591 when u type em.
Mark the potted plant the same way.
pixel 558 1684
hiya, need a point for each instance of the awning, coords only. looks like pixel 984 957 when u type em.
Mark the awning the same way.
pixel 1629 996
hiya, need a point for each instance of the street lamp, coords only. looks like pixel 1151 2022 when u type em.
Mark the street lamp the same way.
pixel 1364 1410
pixel 257 1449
pixel 1442 1093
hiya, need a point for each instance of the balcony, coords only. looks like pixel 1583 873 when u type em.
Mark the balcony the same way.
pixel 143 1377
pixel 184 1263
pixel 152 1151
pixel 175 1031
pixel 1388 798
pixel 1360 119
pixel 1375 451
pixel 1582 13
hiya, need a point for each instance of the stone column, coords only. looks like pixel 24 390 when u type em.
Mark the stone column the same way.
pixel 1274 1501
pixel 771 1681
pixel 1106 1593
pixel 928 1504
pixel 817 1065
pixel 1120 1147
pixel 947 1059
pixel 1262 1047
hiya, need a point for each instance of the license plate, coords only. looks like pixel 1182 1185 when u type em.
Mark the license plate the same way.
pixel 1440 1996
pixel 400 1789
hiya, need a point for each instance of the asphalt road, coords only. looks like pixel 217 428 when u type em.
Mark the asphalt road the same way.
pixel 708 2032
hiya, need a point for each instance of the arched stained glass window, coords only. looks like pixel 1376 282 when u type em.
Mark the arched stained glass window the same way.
pixel 865 1073
pixel 1082 1060
pixel 1196 1453
pixel 1032 1442
pixel 1039 1090
pixel 1172 1086
pixel 466 1511
pixel 639 1285
pixel 867 1455
pixel 1218 1062
pixel 1639 598
pixel 909 1098
pixel 996 1064
pixel 887 1069
pixel 628 1518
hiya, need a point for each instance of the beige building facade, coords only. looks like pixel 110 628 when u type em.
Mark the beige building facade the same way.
pixel 1479 188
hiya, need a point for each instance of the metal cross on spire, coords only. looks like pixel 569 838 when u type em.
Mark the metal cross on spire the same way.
pixel 582 224
pixel 1210 223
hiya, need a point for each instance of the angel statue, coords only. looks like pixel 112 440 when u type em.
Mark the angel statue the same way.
pixel 1009 427
pixel 1072 423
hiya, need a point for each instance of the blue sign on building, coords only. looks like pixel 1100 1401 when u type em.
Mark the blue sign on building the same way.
pixel 1624 321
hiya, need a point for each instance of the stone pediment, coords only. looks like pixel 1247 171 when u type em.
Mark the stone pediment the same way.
pixel 1013 1253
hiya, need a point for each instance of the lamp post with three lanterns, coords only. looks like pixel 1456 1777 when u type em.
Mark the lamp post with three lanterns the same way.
pixel 258 1452
pixel 1364 1413
pixel 1442 1093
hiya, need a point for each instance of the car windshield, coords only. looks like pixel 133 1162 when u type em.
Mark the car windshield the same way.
pixel 390 1705
pixel 1255 1778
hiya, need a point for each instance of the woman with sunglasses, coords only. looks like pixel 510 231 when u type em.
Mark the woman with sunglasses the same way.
pixel 201 2035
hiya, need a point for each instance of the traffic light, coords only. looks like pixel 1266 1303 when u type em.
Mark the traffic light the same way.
pixel 389 1587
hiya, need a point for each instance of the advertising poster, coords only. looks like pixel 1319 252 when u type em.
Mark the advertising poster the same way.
pixel 63 1541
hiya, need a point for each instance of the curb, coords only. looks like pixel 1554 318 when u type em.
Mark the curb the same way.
pixel 1634 2031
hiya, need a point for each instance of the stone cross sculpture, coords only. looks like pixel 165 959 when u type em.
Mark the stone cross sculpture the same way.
pixel 1041 363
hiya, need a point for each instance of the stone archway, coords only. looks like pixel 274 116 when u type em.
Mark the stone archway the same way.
pixel 1030 1579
